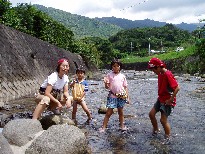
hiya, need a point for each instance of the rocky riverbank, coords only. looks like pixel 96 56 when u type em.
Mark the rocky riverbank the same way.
pixel 187 120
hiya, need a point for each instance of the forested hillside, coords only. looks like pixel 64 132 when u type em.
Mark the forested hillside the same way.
pixel 97 42
pixel 128 24
pixel 160 38
pixel 103 27
pixel 80 25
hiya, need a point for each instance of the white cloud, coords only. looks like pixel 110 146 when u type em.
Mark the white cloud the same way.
pixel 175 11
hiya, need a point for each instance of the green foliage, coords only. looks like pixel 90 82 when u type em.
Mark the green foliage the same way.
pixel 88 51
pixel 93 45
pixel 44 27
pixel 4 6
pixel 159 37
pixel 9 16
pixel 26 13
pixel 28 19
pixel 103 46
pixel 191 68
pixel 200 44
pixel 11 19
pixel 118 54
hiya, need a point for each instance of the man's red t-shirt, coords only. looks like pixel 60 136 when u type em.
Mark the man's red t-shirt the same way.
pixel 166 85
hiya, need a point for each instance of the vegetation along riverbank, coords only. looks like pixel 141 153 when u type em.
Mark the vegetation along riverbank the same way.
pixel 33 38
pixel 130 45
pixel 39 36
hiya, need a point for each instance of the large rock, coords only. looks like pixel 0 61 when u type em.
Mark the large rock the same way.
pixel 4 146
pixel 59 139
pixel 1 105
pixel 4 118
pixel 26 61
pixel 21 131
pixel 103 109
pixel 50 120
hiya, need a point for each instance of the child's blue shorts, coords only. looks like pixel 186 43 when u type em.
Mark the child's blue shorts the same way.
pixel 115 102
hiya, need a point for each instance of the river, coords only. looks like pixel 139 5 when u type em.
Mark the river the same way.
pixel 187 119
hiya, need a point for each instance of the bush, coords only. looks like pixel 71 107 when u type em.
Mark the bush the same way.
pixel 200 44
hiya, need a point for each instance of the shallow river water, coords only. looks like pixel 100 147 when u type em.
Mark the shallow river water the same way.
pixel 187 120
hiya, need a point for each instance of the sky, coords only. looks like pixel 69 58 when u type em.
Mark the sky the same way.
pixel 172 11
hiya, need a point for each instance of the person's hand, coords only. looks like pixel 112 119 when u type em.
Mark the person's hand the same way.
pixel 72 83
pixel 106 80
pixel 59 106
pixel 169 102
pixel 68 104
pixel 74 80
pixel 128 101
pixel 79 100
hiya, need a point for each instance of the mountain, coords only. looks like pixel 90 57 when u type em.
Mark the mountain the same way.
pixel 80 25
pixel 189 27
pixel 128 24
pixel 102 27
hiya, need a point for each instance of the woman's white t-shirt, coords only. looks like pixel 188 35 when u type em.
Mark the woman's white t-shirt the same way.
pixel 55 81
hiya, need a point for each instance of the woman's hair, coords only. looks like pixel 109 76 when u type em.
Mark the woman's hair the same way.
pixel 59 63
pixel 58 68
pixel 116 61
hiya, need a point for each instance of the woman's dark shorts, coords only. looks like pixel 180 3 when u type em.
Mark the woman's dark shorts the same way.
pixel 167 109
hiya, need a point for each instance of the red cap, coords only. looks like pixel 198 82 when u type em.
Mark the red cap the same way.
pixel 61 61
pixel 154 62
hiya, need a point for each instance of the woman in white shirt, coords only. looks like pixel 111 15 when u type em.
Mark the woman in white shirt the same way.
pixel 53 93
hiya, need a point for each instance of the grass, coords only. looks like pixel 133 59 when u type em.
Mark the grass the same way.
pixel 165 56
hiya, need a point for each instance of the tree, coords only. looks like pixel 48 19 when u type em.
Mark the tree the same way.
pixel 170 35
pixel 9 16
pixel 89 52
pixel 104 47
pixel 4 6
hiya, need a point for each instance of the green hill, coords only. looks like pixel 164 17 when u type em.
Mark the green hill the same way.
pixel 98 42
pixel 80 25
pixel 102 27
pixel 129 24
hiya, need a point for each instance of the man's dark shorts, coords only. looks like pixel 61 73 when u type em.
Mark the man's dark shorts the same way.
pixel 167 109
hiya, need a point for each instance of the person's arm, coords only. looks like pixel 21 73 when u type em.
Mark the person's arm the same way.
pixel 65 92
pixel 128 97
pixel 53 99
pixel 169 101
pixel 106 82
pixel 126 89
pixel 67 96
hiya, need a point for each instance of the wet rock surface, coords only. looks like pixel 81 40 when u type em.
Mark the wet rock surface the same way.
pixel 5 148
pixel 59 139
pixel 187 120
pixel 19 132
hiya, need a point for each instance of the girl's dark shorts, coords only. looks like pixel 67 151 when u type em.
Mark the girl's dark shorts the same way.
pixel 167 109
pixel 115 102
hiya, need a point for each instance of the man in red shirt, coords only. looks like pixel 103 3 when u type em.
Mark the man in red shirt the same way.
pixel 167 90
